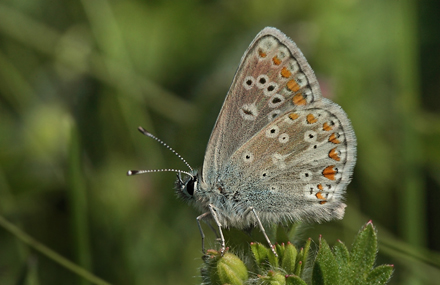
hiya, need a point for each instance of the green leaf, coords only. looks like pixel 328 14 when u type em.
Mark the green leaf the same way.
pixel 380 275
pixel 305 254
pixel 325 270
pixel 273 278
pixel 289 258
pixel 280 248
pixel 260 252
pixel 342 257
pixel 341 253
pixel 294 280
pixel 336 266
pixel 273 260
pixel 363 253
pixel 299 268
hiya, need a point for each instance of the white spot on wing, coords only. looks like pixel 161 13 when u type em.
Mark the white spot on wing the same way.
pixel 248 112
pixel 262 81
pixel 276 100
pixel 283 138
pixel 248 82
pixel 248 156
pixel 273 114
pixel 270 89
pixel 272 132
pixel 310 136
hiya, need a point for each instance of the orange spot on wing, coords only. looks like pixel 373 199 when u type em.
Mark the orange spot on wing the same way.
pixel 311 119
pixel 320 187
pixel 329 172
pixel 319 196
pixel 276 60
pixel 326 127
pixel 285 72
pixel 333 138
pixel 334 155
pixel 298 99
pixel 262 53
pixel 293 85
pixel 293 116
pixel 322 202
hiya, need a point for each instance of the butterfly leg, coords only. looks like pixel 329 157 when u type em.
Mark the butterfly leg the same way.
pixel 201 230
pixel 213 230
pixel 263 230
pixel 222 238
pixel 219 237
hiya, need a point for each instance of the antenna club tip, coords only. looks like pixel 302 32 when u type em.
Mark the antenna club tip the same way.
pixel 131 172
pixel 142 130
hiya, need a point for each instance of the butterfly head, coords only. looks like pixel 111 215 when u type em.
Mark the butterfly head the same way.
pixel 186 187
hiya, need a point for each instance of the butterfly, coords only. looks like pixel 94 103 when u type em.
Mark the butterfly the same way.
pixel 279 151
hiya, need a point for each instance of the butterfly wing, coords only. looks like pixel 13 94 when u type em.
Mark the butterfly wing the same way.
pixel 297 167
pixel 273 75
pixel 277 145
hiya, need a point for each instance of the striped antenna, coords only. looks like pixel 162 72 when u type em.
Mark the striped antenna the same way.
pixel 134 172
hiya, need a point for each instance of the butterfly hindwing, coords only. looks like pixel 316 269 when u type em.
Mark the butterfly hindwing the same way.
pixel 296 167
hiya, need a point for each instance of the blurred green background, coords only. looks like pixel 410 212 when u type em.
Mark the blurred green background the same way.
pixel 78 77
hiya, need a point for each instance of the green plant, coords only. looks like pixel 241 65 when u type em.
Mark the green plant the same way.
pixel 292 266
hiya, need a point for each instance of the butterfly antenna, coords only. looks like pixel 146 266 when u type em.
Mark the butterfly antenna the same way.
pixel 134 172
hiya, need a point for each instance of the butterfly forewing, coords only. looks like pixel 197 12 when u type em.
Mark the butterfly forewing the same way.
pixel 273 76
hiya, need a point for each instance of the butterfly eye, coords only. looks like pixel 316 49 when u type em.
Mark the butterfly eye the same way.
pixel 190 186
pixel 185 188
